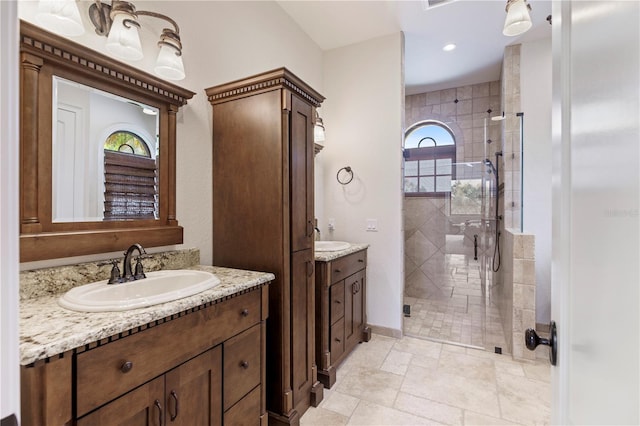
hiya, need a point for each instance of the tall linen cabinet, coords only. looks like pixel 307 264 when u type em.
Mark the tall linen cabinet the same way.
pixel 263 219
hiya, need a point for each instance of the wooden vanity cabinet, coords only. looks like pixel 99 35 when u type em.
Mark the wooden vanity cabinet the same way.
pixel 205 366
pixel 340 311
pixel 263 219
pixel 187 395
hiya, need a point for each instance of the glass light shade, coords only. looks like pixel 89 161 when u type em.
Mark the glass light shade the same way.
pixel 124 42
pixel 60 16
pixel 318 133
pixel 169 65
pixel 518 20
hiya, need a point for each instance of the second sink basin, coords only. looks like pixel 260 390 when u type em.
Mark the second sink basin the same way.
pixel 158 287
pixel 331 245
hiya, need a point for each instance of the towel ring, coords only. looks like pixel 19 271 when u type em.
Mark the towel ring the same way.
pixel 346 177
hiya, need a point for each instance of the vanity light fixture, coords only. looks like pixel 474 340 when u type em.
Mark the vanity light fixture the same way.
pixel 318 130
pixel 518 20
pixel 60 16
pixel 119 23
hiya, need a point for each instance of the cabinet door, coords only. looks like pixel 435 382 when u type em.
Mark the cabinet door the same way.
pixel 354 308
pixel 302 323
pixel 194 390
pixel 301 174
pixel 144 406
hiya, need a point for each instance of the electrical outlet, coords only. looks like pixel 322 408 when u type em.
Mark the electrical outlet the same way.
pixel 331 224
pixel 372 225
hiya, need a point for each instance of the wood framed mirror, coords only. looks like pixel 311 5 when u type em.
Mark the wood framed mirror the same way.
pixel 47 231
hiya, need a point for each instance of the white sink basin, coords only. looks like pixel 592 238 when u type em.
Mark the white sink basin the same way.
pixel 158 287
pixel 331 245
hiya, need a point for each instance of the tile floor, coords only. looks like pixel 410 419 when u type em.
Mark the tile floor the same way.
pixel 410 381
pixel 461 311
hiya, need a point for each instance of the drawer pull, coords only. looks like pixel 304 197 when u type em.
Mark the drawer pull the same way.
pixel 159 406
pixel 126 367
pixel 337 340
pixel 245 312
pixel 337 270
pixel 361 260
pixel 244 364
pixel 174 395
pixel 338 302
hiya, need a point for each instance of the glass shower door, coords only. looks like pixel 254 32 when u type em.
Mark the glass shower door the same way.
pixel 445 249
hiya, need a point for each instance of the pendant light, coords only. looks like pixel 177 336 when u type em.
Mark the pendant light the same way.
pixel 518 20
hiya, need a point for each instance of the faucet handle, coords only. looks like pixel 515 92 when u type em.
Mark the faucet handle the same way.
pixel 139 272
pixel 115 277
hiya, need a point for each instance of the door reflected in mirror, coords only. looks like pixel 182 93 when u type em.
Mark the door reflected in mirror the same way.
pixel 104 156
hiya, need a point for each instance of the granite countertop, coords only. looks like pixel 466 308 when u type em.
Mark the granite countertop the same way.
pixel 327 256
pixel 46 329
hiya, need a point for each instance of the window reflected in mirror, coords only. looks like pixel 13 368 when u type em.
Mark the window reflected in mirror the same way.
pixel 104 156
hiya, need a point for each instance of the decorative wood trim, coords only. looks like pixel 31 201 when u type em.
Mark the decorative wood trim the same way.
pixel 280 78
pixel 31 66
pixel 44 55
pixel 38 246
pixel 43 43
pixel 171 167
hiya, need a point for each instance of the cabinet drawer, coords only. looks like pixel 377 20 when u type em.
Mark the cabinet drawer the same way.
pixel 246 411
pixel 337 340
pixel 337 301
pixel 348 265
pixel 241 365
pixel 109 371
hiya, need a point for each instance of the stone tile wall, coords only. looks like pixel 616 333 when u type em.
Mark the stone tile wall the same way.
pixel 511 131
pixel 464 110
pixel 516 297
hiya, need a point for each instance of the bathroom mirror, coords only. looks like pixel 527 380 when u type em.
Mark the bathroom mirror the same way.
pixel 50 184
pixel 104 151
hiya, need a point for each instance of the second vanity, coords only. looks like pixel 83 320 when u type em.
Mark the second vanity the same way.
pixel 341 314
pixel 196 360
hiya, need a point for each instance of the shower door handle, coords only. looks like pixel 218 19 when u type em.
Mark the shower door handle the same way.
pixel 475 247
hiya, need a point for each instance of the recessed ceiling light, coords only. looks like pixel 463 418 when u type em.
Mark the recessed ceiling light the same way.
pixel 449 47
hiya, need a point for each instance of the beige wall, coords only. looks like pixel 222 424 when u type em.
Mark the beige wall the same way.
pixel 363 117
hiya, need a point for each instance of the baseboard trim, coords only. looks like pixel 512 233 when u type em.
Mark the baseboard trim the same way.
pixel 386 331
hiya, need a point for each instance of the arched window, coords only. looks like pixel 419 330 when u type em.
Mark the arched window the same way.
pixel 130 178
pixel 123 141
pixel 429 153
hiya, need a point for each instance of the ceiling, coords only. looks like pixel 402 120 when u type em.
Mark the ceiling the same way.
pixel 475 26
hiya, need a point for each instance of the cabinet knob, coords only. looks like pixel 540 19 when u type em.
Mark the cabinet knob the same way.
pixel 245 312
pixel 337 340
pixel 337 301
pixel 244 364
pixel 126 367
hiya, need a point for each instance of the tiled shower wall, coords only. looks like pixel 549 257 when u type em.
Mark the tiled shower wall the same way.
pixel 511 154
pixel 517 297
pixel 464 110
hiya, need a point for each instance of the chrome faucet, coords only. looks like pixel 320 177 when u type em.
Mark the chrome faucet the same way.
pixel 138 274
